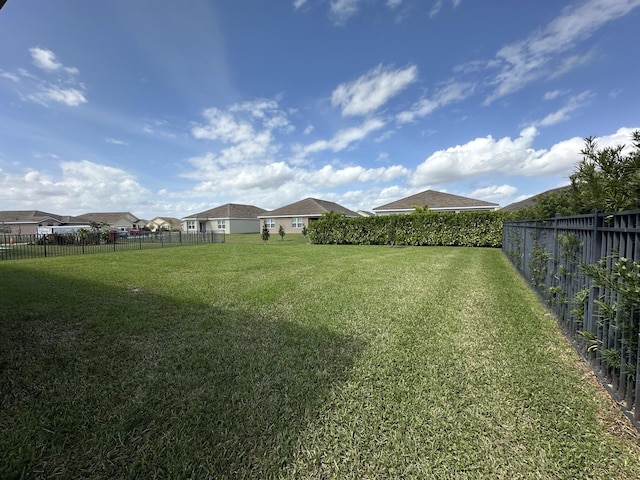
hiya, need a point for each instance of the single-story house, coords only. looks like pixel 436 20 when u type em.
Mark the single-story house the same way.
pixel 531 201
pixel 26 222
pixel 436 202
pixel 300 214
pixel 164 223
pixel 121 221
pixel 229 218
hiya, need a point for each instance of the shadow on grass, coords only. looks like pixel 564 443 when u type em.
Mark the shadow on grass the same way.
pixel 107 382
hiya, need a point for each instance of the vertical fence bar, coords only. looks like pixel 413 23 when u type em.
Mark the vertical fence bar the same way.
pixel 636 405
pixel 601 236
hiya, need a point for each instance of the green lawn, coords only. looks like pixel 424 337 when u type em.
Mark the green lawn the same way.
pixel 291 360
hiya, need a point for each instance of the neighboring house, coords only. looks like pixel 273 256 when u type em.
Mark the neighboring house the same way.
pixel 164 223
pixel 26 222
pixel 436 202
pixel 121 221
pixel 365 213
pixel 229 218
pixel 531 201
pixel 300 214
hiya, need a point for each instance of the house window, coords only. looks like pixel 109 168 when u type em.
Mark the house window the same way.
pixel 221 224
pixel 270 222
pixel 296 223
pixel 191 225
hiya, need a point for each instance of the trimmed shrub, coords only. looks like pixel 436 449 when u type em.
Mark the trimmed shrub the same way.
pixel 466 229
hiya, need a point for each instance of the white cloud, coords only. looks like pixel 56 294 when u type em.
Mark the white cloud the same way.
pixel 46 60
pixel 115 141
pixel 342 10
pixel 223 126
pixel 298 3
pixel 372 90
pixel 563 157
pixel 82 186
pixel 393 3
pixel 342 139
pixel 71 97
pixel 481 156
pixel 66 90
pixel 540 54
pixel 449 93
pixel 487 156
pixel 237 124
pixel 437 6
pixel 496 193
pixel 277 183
pixel 613 94
pixel 329 177
pixel 552 94
pixel 9 76
pixel 565 112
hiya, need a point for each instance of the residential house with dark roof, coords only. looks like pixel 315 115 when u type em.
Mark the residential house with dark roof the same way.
pixel 26 222
pixel 436 202
pixel 229 218
pixel 121 221
pixel 295 216
pixel 531 201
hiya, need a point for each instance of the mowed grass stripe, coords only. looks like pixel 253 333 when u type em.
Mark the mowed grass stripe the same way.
pixel 292 361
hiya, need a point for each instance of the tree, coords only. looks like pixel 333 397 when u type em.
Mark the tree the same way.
pixel 607 179
pixel 264 235
pixel 424 210
pixel 305 231
pixel 281 232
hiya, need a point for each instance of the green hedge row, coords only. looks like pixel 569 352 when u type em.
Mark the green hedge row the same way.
pixel 467 229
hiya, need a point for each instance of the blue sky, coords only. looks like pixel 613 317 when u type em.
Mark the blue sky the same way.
pixel 170 108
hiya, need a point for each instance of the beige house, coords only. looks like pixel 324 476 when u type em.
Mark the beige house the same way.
pixel 436 202
pixel 164 223
pixel 121 221
pixel 228 218
pixel 295 216
pixel 26 222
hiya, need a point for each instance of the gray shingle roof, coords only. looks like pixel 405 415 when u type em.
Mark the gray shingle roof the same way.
pixel 25 216
pixel 310 207
pixel 230 210
pixel 531 201
pixel 109 217
pixel 433 200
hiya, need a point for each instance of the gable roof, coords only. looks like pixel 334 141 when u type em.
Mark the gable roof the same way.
pixel 436 200
pixel 27 216
pixel 310 207
pixel 109 217
pixel 169 220
pixel 230 210
pixel 531 201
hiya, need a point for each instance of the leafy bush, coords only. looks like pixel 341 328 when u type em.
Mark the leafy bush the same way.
pixel 468 229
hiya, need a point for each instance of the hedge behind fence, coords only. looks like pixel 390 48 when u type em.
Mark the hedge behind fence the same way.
pixel 467 229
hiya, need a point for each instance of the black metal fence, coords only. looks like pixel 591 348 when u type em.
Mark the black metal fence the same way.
pixel 586 269
pixel 15 247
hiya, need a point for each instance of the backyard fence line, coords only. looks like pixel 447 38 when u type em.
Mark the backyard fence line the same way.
pixel 17 247
pixel 586 269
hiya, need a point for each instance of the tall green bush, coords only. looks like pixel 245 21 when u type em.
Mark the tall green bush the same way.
pixel 468 229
